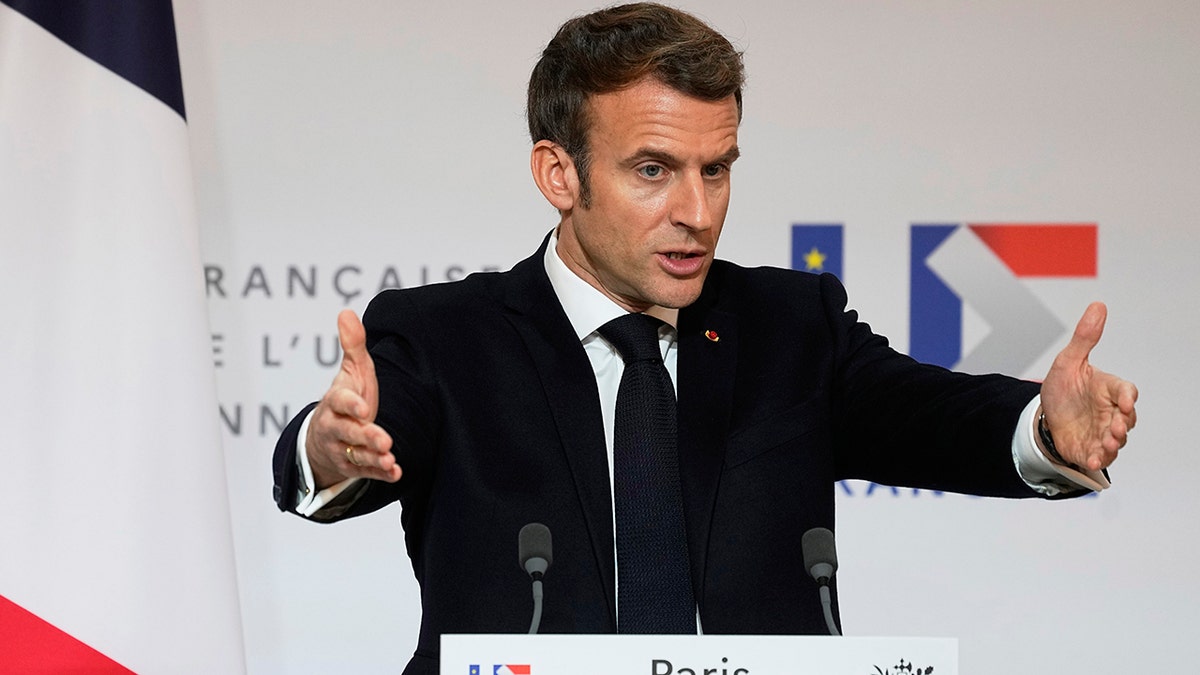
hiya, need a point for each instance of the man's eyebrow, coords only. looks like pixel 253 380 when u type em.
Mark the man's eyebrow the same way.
pixel 643 154
pixel 730 156
pixel 654 154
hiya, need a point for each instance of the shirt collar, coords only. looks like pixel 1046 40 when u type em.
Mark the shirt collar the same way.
pixel 586 307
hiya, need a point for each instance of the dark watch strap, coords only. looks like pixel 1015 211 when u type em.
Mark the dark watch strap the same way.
pixel 1048 442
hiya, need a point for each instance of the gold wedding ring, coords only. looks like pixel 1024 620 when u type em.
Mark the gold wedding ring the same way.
pixel 350 455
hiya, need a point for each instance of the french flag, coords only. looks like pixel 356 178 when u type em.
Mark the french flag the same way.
pixel 114 515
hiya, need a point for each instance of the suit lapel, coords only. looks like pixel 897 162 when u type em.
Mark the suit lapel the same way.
pixel 708 341
pixel 570 388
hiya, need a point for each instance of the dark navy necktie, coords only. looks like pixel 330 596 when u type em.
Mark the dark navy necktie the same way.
pixel 653 579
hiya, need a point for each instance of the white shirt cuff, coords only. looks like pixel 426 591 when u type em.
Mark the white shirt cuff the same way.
pixel 1038 471
pixel 309 501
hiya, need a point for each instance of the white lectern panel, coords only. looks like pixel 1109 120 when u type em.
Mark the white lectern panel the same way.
pixel 696 655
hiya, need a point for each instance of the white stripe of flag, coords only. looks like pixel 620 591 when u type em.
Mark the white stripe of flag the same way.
pixel 114 517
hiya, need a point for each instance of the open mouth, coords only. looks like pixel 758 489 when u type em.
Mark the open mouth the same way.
pixel 681 263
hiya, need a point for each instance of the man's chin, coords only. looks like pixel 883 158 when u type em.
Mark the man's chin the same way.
pixel 679 295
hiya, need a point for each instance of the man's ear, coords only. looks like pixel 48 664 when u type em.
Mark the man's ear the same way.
pixel 555 175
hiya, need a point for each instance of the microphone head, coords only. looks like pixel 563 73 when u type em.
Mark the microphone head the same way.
pixel 820 555
pixel 534 548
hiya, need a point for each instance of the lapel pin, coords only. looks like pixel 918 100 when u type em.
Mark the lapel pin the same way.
pixel 712 336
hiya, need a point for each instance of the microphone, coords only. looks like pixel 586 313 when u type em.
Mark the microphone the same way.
pixel 820 559
pixel 534 549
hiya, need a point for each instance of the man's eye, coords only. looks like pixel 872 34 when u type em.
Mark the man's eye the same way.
pixel 714 170
pixel 651 171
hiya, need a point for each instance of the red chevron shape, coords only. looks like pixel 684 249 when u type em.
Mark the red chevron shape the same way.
pixel 1042 249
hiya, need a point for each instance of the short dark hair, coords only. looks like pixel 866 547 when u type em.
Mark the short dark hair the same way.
pixel 613 48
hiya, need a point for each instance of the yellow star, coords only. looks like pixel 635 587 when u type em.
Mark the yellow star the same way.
pixel 814 260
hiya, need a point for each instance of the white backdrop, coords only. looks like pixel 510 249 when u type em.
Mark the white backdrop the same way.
pixel 361 144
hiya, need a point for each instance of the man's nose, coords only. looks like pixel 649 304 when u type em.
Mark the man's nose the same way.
pixel 690 206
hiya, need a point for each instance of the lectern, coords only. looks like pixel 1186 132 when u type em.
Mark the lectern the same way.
pixel 696 655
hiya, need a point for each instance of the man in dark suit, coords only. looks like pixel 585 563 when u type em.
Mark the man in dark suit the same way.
pixel 489 403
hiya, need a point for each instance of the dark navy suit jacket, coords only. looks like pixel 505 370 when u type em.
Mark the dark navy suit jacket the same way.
pixel 495 415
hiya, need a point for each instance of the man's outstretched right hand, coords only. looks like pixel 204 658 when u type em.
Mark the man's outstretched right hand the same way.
pixel 343 440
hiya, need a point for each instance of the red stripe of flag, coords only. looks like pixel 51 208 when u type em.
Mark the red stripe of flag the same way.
pixel 30 645
pixel 1042 250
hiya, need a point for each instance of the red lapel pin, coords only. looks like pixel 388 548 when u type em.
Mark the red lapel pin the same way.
pixel 712 336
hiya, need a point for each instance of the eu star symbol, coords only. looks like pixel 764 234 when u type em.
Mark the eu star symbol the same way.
pixel 814 260
pixel 474 670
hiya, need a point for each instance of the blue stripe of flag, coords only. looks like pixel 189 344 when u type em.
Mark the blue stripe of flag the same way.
pixel 134 39
pixel 934 309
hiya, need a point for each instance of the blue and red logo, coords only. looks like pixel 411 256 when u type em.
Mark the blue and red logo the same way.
pixel 983 265
pixel 504 669
pixel 980 265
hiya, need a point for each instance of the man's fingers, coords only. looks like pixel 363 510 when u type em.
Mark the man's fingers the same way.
pixel 391 474
pixel 333 428
pixel 367 457
pixel 1087 332
pixel 338 432
pixel 1122 396
pixel 367 461
pixel 329 435
pixel 1127 398
pixel 348 403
